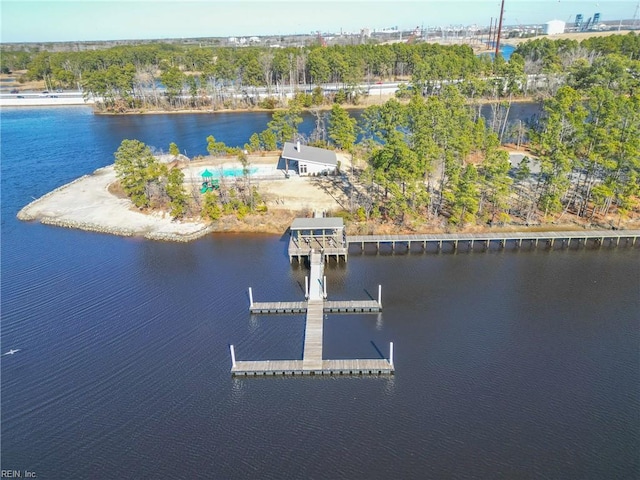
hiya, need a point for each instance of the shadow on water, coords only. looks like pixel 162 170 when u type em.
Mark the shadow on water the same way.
pixel 285 236
pixel 377 349
pixel 301 287
pixel 303 263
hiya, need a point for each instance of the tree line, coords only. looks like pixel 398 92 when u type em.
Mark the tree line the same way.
pixel 433 159
pixel 163 75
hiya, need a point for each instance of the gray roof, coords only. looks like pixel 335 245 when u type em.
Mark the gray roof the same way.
pixel 317 223
pixel 309 154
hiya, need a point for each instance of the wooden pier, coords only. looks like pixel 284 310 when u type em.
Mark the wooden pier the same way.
pixel 315 307
pixel 469 241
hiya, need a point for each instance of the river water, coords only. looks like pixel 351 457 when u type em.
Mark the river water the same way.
pixel 509 364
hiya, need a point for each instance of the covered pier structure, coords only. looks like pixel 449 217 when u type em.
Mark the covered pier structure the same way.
pixel 324 234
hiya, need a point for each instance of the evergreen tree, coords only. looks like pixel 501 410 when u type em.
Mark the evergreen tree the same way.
pixel 178 199
pixel 137 169
pixel 342 128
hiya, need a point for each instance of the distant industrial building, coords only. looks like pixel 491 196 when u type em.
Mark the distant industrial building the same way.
pixel 553 27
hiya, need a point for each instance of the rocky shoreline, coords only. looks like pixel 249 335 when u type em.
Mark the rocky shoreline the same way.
pixel 124 232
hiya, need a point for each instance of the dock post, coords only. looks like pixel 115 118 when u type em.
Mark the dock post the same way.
pixel 391 353
pixel 250 298
pixel 306 286
pixel 380 296
pixel 233 356
pixel 324 286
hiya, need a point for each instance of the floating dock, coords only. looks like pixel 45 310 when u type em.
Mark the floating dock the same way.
pixel 315 307
pixel 344 306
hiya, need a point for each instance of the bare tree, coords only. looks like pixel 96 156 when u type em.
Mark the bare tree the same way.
pixel 266 64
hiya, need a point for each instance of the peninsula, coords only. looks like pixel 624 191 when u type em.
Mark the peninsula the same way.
pixel 91 203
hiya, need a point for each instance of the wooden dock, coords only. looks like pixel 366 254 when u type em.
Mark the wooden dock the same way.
pixel 352 306
pixel 278 307
pixel 312 356
pixel 298 367
pixel 315 307
pixel 469 241
pixel 335 306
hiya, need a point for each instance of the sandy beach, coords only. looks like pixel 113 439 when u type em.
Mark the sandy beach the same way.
pixel 87 204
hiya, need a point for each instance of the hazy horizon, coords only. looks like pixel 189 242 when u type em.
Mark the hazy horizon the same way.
pixel 27 21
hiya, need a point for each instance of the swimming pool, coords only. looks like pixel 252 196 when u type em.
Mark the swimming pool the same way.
pixel 239 171
pixel 235 172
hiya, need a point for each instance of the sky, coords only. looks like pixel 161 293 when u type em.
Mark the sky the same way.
pixel 85 20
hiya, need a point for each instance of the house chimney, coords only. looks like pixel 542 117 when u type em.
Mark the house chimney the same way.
pixel 298 147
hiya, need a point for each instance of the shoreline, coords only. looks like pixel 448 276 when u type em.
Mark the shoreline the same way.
pixel 376 101
pixel 86 204
pixel 370 100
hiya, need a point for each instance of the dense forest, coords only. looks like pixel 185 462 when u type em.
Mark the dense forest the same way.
pixel 427 157
pixel 175 76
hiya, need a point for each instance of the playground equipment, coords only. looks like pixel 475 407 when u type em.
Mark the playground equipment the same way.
pixel 208 182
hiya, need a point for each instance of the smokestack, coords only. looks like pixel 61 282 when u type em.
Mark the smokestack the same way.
pixel 499 29
pixel 298 147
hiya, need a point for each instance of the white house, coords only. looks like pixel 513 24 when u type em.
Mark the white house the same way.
pixel 309 160
pixel 554 27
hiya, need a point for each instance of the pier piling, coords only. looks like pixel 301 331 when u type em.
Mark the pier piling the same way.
pixel 233 356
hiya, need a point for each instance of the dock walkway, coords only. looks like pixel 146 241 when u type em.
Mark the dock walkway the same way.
pixel 549 239
pixel 312 356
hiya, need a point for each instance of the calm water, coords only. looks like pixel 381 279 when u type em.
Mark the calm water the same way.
pixel 509 364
